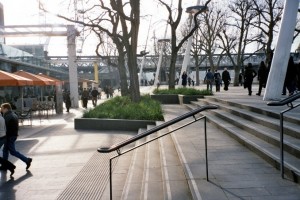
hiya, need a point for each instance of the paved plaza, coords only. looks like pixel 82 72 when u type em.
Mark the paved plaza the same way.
pixel 60 153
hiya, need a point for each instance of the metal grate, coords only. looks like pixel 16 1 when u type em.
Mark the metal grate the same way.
pixel 91 180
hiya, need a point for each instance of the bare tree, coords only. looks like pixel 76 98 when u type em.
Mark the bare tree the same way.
pixel 212 23
pixel 269 14
pixel 235 36
pixel 120 20
pixel 174 23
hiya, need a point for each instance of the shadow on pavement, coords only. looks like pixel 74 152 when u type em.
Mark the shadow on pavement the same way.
pixel 8 187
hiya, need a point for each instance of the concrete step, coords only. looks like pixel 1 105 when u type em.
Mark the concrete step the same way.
pixel 152 179
pixel 259 126
pixel 266 111
pixel 175 182
pixel 264 149
pixel 291 127
pixel 133 185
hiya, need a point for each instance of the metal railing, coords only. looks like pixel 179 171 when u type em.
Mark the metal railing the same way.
pixel 289 102
pixel 124 143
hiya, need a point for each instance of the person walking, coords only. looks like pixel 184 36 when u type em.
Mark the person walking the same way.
pixel 262 76
pixel 68 101
pixel 12 127
pixel 226 78
pixel 208 79
pixel 290 81
pixel 184 79
pixel 5 164
pixel 85 97
pixel 250 73
pixel 218 80
pixel 94 94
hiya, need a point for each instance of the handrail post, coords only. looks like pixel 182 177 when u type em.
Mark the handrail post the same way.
pixel 110 178
pixel 205 140
pixel 281 146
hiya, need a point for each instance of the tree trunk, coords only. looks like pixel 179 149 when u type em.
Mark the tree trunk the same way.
pixel 172 70
pixel 123 76
pixel 133 73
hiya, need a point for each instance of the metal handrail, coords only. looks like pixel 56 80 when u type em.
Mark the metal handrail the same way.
pixel 289 102
pixel 117 147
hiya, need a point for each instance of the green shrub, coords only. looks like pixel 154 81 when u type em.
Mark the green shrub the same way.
pixel 183 91
pixel 124 108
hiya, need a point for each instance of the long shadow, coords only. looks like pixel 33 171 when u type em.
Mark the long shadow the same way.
pixel 7 187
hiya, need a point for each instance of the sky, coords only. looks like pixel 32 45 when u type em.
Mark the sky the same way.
pixel 26 12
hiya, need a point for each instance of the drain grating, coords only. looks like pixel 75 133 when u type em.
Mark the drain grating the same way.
pixel 91 180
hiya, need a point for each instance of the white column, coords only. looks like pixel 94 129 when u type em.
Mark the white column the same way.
pixel 282 51
pixel 141 69
pixel 160 58
pixel 186 59
pixel 73 76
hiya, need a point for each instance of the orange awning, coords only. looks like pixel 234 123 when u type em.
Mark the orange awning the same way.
pixel 57 81
pixel 37 80
pixel 9 79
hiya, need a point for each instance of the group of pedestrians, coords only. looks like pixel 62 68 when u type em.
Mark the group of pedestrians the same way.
pixel 291 82
pixel 217 79
pixel 9 126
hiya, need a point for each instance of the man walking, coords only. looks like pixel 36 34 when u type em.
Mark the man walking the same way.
pixel 94 94
pixel 5 164
pixel 12 127
pixel 226 78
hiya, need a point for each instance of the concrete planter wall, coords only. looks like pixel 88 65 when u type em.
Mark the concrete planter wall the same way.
pixel 166 98
pixel 111 124
pixel 175 99
pixel 186 99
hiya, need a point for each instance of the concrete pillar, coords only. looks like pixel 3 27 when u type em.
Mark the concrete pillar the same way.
pixel 186 59
pixel 282 51
pixel 96 73
pixel 73 76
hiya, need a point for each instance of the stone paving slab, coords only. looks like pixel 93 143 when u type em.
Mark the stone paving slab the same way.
pixel 234 171
pixel 59 154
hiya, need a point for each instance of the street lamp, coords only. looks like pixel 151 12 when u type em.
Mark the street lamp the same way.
pixel 191 10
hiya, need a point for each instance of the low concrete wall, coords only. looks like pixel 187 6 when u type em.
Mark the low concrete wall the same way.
pixel 111 124
pixel 176 99
pixel 186 99
pixel 166 98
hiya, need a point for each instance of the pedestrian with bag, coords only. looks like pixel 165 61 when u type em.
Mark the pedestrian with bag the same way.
pixel 12 128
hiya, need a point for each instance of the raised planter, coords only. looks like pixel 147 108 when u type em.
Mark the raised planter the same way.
pixel 186 99
pixel 166 98
pixel 111 124
pixel 175 98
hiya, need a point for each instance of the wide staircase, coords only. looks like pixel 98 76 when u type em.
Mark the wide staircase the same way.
pixel 242 160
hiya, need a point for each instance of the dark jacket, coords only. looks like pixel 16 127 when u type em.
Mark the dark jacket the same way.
pixel 226 77
pixel 68 101
pixel 12 123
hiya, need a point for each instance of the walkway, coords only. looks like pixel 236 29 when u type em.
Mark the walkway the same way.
pixel 60 153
